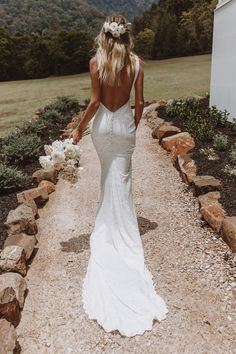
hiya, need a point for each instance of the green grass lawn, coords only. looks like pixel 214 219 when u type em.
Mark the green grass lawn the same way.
pixel 170 78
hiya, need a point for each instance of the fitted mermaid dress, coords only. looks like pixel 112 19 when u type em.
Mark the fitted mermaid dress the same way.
pixel 118 289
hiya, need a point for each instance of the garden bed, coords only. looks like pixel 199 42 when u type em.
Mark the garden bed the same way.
pixel 24 158
pixel 211 157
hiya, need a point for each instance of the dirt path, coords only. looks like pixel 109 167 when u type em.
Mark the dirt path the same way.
pixel 187 260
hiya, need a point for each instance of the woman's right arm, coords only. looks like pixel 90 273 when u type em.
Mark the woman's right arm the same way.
pixel 139 99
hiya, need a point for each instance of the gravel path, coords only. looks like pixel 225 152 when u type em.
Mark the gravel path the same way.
pixel 193 269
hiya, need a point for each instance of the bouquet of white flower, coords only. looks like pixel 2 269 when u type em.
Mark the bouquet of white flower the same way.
pixel 64 153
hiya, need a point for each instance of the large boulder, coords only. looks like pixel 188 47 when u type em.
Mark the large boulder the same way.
pixel 13 259
pixel 38 194
pixel 204 183
pixel 8 337
pixel 209 198
pixel 50 186
pixel 9 306
pixel 229 231
pixel 187 167
pixel 15 281
pixel 20 220
pixel 41 174
pixel 214 214
pixel 178 144
pixel 27 242
pixel 164 130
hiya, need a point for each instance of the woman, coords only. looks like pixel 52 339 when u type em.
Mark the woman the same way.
pixel 118 289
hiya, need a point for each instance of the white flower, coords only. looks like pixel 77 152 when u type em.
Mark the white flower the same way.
pixel 46 162
pixel 70 152
pixel 48 149
pixel 106 26
pixel 113 26
pixel 122 29
pixel 67 142
pixel 58 156
pixel 116 33
pixel 57 145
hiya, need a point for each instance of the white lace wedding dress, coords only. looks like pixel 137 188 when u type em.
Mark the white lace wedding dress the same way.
pixel 118 289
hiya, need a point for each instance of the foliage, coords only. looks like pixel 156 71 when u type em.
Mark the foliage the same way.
pixel 197 119
pixel 220 141
pixel 210 153
pixel 37 55
pixel 20 147
pixel 11 177
pixel 181 27
pixel 233 154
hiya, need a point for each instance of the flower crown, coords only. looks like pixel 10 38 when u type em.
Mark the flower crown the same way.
pixel 116 29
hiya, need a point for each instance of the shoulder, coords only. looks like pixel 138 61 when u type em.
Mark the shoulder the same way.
pixel 93 63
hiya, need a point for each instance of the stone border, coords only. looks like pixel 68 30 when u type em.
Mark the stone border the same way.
pixel 19 249
pixel 207 188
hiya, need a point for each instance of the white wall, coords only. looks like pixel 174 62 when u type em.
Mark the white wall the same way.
pixel 223 72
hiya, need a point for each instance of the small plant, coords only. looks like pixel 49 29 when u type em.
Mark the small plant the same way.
pixel 232 154
pixel 210 153
pixel 64 104
pixel 230 170
pixel 20 147
pixel 220 141
pixel 11 177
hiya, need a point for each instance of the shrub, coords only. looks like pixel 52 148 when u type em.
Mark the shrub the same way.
pixel 53 116
pixel 232 154
pixel 220 141
pixel 11 177
pixel 36 126
pixel 64 104
pixel 201 121
pixel 20 147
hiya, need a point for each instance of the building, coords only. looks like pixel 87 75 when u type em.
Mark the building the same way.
pixel 223 72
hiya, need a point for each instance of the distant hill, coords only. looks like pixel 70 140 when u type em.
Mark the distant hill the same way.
pixel 27 16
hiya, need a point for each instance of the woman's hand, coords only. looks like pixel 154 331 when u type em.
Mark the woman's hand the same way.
pixel 76 135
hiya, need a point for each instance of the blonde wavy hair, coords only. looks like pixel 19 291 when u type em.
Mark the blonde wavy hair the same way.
pixel 114 53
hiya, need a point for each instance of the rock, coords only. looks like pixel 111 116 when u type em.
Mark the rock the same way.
pixel 228 231
pixel 59 165
pixel 31 203
pixel 23 240
pixel 15 281
pixel 41 174
pixel 151 107
pixel 20 220
pixel 187 167
pixel 214 214
pixel 9 306
pixel 69 125
pixel 204 184
pixel 66 134
pixel 178 144
pixel 163 102
pixel 48 184
pixel 8 337
pixel 164 130
pixel 209 198
pixel 13 259
pixel 38 194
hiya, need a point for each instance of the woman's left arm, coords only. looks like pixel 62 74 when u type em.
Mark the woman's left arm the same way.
pixel 94 101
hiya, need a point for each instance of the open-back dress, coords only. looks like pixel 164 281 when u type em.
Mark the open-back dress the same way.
pixel 118 289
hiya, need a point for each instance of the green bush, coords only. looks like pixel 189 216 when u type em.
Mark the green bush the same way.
pixel 198 119
pixel 233 154
pixel 64 104
pixel 220 141
pixel 37 126
pixel 53 116
pixel 11 177
pixel 21 147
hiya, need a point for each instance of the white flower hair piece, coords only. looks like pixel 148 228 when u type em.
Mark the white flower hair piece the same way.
pixel 116 29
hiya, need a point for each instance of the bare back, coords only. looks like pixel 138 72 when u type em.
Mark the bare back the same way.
pixel 115 97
